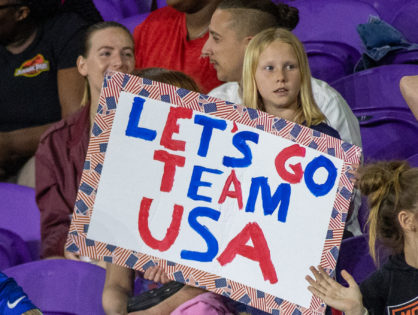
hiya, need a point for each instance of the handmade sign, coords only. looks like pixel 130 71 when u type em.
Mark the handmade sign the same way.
pixel 222 197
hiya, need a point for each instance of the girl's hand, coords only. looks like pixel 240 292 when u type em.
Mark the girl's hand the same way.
pixel 348 300
pixel 156 274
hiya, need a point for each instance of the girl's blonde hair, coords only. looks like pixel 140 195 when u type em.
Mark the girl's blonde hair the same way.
pixel 390 187
pixel 308 111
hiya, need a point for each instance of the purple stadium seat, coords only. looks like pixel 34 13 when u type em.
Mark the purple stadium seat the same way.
pixel 13 250
pixel 413 160
pixel 400 57
pixel 363 214
pixel 330 61
pixel 355 258
pixel 387 134
pixel 132 21
pixel 60 286
pixel 134 7
pixel 161 3
pixel 376 88
pixel 109 10
pixel 115 10
pixel 20 214
pixel 332 20
pixel 405 20
pixel 387 8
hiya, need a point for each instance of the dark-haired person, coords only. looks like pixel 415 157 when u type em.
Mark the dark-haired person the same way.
pixel 172 38
pixel 63 147
pixel 232 26
pixel 39 80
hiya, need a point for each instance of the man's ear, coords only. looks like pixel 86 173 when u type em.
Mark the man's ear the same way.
pixel 22 13
pixel 82 65
pixel 407 220
pixel 247 39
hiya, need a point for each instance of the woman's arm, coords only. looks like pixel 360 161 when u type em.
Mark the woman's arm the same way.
pixel 70 90
pixel 117 289
pixel 409 90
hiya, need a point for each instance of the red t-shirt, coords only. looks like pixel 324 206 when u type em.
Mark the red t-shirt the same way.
pixel 161 41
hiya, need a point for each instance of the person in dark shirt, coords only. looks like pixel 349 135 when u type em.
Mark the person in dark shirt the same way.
pixel 39 80
pixel 392 190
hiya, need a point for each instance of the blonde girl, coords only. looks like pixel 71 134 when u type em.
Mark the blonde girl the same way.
pixel 277 79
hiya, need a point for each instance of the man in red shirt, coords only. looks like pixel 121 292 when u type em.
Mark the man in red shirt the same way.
pixel 172 37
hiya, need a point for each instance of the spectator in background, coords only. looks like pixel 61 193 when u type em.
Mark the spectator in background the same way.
pixel 62 149
pixel 409 90
pixel 172 38
pixel 39 80
pixel 233 24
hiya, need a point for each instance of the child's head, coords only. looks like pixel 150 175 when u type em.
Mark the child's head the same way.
pixel 277 78
pixel 172 77
pixel 392 191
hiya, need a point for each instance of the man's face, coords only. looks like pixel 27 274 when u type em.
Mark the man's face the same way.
pixel 224 48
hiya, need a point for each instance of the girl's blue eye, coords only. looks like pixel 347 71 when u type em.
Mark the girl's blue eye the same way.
pixel 290 67
pixel 269 68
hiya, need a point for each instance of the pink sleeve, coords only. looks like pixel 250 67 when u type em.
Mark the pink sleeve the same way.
pixel 206 303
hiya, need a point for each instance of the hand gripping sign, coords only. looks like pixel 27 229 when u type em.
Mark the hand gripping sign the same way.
pixel 223 197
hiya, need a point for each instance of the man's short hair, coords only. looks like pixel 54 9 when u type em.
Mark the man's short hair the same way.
pixel 250 17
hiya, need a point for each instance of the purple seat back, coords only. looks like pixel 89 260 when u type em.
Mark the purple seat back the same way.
pixel 161 3
pixel 405 20
pixel 387 8
pixel 62 286
pixel 387 134
pixel 109 10
pixel 400 57
pixel 376 88
pixel 363 214
pixel 13 250
pixel 413 160
pixel 135 7
pixel 132 21
pixel 355 258
pixel 115 10
pixel 330 61
pixel 332 20
pixel 20 214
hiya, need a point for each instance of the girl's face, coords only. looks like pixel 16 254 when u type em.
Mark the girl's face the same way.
pixel 110 49
pixel 278 79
